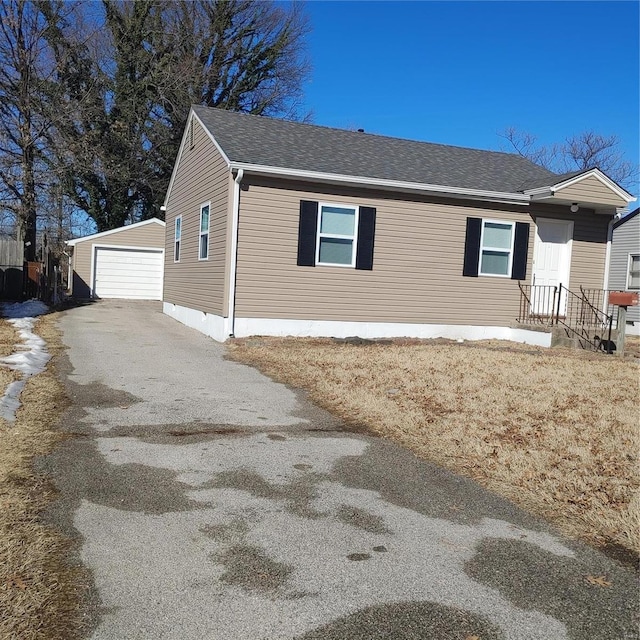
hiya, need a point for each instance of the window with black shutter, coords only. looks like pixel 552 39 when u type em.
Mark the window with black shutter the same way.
pixel 336 235
pixel 496 248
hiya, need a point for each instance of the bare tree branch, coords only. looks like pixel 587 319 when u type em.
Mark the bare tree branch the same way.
pixel 583 151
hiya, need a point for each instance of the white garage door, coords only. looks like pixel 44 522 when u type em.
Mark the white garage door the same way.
pixel 128 273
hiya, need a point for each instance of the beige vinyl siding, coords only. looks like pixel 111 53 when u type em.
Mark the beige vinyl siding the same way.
pixel 417 272
pixel 202 176
pixel 626 240
pixel 592 190
pixel 418 259
pixel 148 236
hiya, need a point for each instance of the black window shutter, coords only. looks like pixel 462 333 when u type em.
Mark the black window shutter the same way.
pixel 307 231
pixel 520 251
pixel 366 234
pixel 472 247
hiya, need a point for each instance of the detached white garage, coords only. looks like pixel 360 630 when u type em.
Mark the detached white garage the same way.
pixel 122 263
pixel 128 273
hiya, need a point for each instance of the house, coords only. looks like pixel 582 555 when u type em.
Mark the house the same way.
pixel 283 228
pixel 624 268
pixel 121 263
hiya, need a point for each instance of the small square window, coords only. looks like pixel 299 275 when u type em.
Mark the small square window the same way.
pixel 337 227
pixel 203 253
pixel 496 248
pixel 633 278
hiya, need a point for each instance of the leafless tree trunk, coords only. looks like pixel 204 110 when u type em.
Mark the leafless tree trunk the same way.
pixel 25 68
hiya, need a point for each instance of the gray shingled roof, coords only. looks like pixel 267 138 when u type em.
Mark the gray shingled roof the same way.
pixel 556 179
pixel 292 145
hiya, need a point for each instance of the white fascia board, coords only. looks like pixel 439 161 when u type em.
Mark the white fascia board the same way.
pixel 185 135
pixel 596 173
pixel 102 234
pixel 540 193
pixel 394 185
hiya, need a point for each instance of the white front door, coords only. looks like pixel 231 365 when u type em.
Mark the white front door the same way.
pixel 551 261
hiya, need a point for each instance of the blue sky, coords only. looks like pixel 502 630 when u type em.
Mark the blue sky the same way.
pixel 461 72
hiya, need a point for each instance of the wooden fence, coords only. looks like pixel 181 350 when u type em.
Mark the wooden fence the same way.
pixel 11 269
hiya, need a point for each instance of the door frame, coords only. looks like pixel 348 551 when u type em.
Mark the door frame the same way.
pixel 569 225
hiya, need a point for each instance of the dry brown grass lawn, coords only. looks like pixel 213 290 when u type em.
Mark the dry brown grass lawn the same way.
pixel 555 431
pixel 632 346
pixel 38 590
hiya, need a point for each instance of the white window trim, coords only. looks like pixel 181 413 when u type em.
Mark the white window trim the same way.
pixel 202 233
pixel 629 263
pixel 499 249
pixel 177 242
pixel 353 237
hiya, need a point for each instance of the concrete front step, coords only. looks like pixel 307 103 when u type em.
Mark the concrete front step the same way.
pixel 561 336
pixel 582 339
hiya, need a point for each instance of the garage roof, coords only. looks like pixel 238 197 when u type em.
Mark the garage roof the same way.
pixel 102 234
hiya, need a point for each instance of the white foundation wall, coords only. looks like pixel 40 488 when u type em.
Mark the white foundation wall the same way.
pixel 217 328
pixel 211 325
pixel 633 329
pixel 245 327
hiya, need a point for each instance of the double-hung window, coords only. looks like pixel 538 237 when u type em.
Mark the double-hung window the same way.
pixel 633 277
pixel 496 248
pixel 337 235
pixel 203 251
pixel 177 239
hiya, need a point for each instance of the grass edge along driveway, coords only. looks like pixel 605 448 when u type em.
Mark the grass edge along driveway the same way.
pixel 553 430
pixel 39 589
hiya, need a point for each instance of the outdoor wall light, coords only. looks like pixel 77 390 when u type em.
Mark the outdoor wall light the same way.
pixel 574 207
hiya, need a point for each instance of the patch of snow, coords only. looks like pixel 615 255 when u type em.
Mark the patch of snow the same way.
pixel 31 356
pixel 10 403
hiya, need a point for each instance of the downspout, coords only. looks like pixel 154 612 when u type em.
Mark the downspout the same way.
pixel 235 214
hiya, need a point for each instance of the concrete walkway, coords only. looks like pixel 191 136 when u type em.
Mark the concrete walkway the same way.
pixel 212 503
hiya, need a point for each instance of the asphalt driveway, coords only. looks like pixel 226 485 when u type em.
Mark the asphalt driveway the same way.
pixel 212 503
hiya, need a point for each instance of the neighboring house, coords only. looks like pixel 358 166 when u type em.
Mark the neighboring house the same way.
pixel 282 228
pixel 624 268
pixel 121 263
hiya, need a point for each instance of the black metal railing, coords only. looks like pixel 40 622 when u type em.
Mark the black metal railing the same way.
pixel 537 304
pixel 586 316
